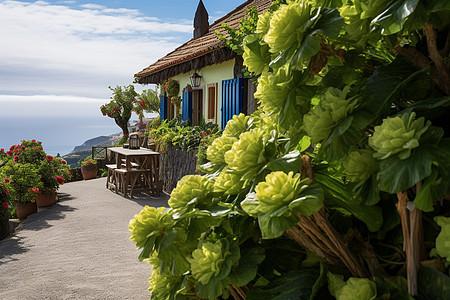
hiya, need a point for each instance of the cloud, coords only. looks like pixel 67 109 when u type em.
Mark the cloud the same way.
pixel 62 49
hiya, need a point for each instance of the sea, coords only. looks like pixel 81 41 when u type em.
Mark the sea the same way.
pixel 57 134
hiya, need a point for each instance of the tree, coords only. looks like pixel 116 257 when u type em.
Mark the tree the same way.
pixel 120 106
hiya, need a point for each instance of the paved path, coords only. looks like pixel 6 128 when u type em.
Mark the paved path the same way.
pixel 77 249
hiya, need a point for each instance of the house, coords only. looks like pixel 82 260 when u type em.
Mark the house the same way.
pixel 223 90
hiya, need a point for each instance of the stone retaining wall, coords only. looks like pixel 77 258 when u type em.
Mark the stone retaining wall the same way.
pixel 174 164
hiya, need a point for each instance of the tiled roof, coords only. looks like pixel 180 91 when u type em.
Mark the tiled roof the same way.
pixel 207 43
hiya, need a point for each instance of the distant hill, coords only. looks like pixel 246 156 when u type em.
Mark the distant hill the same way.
pixel 79 153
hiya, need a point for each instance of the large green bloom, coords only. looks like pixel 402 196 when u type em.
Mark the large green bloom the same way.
pixel 398 135
pixel 263 24
pixel 360 165
pixel 287 26
pixel 248 153
pixel 273 89
pixel 207 261
pixel 443 239
pixel 331 110
pixel 278 190
pixel 189 188
pixel 228 183
pixel 216 152
pixel 149 220
pixel 256 54
pixel 237 125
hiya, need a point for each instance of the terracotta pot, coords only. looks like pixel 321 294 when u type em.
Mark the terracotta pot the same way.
pixel 23 210
pixel 43 200
pixel 89 171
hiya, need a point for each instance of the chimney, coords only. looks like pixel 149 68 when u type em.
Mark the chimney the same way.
pixel 201 23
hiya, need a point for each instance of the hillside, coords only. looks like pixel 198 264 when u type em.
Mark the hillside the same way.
pixel 79 153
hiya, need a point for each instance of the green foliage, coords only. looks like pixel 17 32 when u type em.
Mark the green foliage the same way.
pixel 24 181
pixel 353 106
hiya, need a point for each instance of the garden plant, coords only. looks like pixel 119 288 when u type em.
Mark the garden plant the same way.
pixel 338 187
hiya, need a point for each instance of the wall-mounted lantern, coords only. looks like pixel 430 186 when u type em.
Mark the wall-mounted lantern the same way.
pixel 196 80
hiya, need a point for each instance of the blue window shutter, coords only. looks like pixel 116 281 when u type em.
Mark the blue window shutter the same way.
pixel 163 106
pixel 187 105
pixel 232 97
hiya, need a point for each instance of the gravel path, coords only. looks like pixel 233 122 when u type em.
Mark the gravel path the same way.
pixel 77 249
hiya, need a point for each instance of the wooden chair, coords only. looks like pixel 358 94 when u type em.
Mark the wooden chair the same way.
pixel 110 179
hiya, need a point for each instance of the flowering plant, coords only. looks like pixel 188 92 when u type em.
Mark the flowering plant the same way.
pixel 172 88
pixel 4 200
pixel 88 161
pixel 22 181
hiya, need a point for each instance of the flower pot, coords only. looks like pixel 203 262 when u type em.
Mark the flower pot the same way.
pixel 23 210
pixel 89 171
pixel 43 199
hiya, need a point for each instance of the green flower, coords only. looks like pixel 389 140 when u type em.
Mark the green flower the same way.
pixel 353 289
pixel 287 26
pixel 256 54
pixel 331 110
pixel 398 135
pixel 207 261
pixel 228 183
pixel 162 283
pixel 263 24
pixel 189 188
pixel 237 125
pixel 273 89
pixel 248 153
pixel 149 220
pixel 216 152
pixel 278 190
pixel 443 239
pixel 360 165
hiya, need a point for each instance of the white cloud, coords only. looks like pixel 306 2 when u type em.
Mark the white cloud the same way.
pixel 57 49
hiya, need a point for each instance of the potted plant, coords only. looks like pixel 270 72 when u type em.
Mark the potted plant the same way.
pixel 89 168
pixel 4 211
pixel 23 183
pixel 52 172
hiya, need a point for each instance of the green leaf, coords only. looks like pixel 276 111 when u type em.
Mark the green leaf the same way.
pixel 148 248
pixel 433 285
pixel 309 201
pixel 248 265
pixel 339 196
pixel 286 163
pixel 392 19
pixel 297 285
pixel 400 174
pixel 426 197
pixel 273 226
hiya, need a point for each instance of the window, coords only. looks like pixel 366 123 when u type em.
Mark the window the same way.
pixel 212 102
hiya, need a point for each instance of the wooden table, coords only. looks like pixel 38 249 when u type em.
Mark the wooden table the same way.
pixel 138 162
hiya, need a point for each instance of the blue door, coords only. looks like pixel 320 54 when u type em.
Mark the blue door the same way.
pixel 232 97
pixel 187 105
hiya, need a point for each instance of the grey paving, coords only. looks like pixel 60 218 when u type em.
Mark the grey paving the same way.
pixel 77 249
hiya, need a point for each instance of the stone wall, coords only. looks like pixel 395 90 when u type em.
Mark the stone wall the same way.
pixel 174 164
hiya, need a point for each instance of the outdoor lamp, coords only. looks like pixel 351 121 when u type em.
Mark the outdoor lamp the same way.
pixel 134 141
pixel 195 80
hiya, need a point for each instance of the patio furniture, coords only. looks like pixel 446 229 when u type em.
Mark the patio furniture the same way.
pixel 135 168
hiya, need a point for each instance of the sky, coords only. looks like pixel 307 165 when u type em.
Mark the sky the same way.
pixel 57 58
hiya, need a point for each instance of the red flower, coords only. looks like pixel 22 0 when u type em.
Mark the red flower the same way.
pixel 7 180
pixel 40 142
pixel 143 103
pixel 60 179
pixel 64 162
pixel 210 135
pixel 2 150
pixel 6 191
pixel 15 151
pixel 16 158
pixel 23 147
pixel 205 134
pixel 49 157
pixel 8 152
pixel 35 189
pixel 5 205
pixel 34 141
